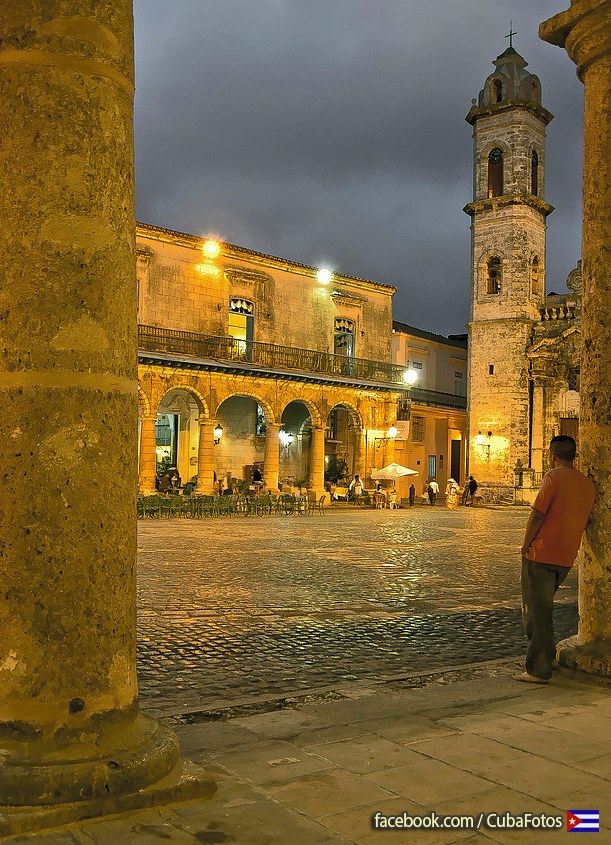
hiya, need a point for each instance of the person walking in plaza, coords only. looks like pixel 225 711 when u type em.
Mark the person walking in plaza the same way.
pixel 412 495
pixel 356 489
pixel 432 490
pixel 553 535
pixel 452 490
pixel 471 487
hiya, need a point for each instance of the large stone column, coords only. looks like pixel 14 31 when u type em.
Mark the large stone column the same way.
pixel 271 463
pixel 317 459
pixel 359 453
pixel 70 727
pixel 585 31
pixel 205 457
pixel 148 456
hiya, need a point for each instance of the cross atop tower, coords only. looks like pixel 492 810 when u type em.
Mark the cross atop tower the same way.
pixel 510 34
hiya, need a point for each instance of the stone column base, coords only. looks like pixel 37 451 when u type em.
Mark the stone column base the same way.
pixel 186 782
pixel 590 662
pixel 122 765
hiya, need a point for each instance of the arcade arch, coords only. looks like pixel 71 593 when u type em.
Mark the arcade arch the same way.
pixel 177 431
pixel 295 442
pixel 343 446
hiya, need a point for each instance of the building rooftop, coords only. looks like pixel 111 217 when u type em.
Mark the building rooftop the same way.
pixel 459 341
pixel 237 252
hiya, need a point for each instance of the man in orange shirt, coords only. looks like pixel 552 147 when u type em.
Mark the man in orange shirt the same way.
pixel 557 521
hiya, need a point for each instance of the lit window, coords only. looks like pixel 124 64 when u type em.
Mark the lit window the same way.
pixel 242 326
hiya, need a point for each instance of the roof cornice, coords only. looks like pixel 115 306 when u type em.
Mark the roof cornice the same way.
pixel 240 253
pixel 483 111
pixel 494 203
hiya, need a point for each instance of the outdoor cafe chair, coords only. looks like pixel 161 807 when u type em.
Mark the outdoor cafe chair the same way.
pixel 287 505
pixel 317 505
pixel 152 506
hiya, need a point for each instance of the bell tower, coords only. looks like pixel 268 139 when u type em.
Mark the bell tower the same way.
pixel 508 215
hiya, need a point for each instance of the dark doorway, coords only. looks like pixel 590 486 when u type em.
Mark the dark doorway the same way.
pixel 455 461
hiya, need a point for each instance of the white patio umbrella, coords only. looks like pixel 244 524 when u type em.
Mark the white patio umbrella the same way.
pixel 392 472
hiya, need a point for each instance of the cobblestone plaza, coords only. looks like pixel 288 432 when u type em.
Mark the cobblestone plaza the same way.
pixel 237 608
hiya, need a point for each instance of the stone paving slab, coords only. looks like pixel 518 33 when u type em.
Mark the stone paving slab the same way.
pixel 456 754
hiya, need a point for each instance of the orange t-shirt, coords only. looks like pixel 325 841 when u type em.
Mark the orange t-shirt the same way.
pixel 566 498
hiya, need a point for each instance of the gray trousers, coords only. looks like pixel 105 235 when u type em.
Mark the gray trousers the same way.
pixel 539 584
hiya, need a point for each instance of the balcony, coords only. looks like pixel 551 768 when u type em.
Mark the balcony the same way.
pixel 269 358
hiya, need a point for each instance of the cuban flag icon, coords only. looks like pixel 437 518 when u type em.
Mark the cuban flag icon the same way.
pixel 583 821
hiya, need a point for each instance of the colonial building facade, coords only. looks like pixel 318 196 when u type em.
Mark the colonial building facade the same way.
pixel 433 441
pixel 247 360
pixel 523 344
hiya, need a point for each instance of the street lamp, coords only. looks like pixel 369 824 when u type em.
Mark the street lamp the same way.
pixel 218 433
pixel 211 248
pixel 390 435
pixel 324 276
pixel 285 437
pixel 410 376
pixel 481 441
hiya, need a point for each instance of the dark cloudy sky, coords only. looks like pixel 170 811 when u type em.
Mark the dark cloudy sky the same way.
pixel 332 132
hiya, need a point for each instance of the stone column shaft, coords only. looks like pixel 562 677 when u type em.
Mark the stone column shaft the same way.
pixel 70 728
pixel 317 459
pixel 205 458
pixel 585 31
pixel 271 466
pixel 359 453
pixel 148 455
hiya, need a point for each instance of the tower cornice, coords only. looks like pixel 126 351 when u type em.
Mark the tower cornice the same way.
pixel 495 203
pixel 497 108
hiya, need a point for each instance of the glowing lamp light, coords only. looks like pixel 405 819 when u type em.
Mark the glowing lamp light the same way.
pixel 285 437
pixel 480 439
pixel 211 248
pixel 410 376
pixel 392 432
pixel 324 276
pixel 218 433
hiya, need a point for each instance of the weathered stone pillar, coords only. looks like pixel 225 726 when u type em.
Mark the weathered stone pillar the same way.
pixel 538 428
pixel 148 455
pixel 205 457
pixel 271 465
pixel 70 727
pixel 585 31
pixel 317 459
pixel 359 453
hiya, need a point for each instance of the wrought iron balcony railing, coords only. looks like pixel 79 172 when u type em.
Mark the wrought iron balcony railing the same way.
pixel 272 356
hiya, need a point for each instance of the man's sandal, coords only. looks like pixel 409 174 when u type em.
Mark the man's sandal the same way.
pixel 529 679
